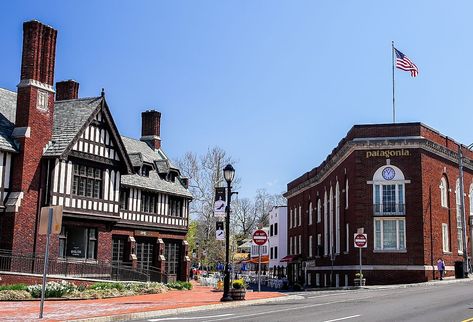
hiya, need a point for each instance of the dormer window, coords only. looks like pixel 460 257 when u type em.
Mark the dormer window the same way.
pixel 145 171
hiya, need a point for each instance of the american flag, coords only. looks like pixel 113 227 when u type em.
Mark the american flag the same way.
pixel 404 63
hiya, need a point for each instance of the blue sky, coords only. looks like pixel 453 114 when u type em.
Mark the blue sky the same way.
pixel 276 84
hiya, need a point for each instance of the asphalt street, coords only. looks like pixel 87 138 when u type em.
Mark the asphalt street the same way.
pixel 437 302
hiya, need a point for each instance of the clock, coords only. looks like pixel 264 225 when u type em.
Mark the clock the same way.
pixel 388 173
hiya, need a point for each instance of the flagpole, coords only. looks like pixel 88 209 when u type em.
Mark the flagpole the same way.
pixel 394 106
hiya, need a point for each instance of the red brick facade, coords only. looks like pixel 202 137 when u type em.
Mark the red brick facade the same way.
pixel 423 156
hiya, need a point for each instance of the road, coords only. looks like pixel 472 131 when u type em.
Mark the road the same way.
pixel 439 302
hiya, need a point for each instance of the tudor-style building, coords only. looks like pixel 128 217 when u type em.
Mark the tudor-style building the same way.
pixel 400 183
pixel 124 202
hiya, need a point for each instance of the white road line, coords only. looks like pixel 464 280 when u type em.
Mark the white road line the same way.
pixel 240 316
pixel 325 295
pixel 345 318
pixel 191 318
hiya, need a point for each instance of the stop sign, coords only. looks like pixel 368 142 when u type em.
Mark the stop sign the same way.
pixel 361 240
pixel 260 237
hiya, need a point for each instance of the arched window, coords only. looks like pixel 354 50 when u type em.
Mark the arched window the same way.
pixel 389 209
pixel 443 192
pixel 330 250
pixel 459 217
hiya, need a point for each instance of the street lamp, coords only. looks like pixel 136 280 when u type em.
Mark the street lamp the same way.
pixel 228 174
pixel 462 211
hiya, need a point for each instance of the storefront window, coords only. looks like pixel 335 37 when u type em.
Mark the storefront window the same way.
pixel 78 242
pixel 172 254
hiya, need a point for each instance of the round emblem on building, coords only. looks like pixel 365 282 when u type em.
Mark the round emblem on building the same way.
pixel 388 173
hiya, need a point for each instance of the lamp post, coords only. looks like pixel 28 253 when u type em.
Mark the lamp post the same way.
pixel 462 212
pixel 228 174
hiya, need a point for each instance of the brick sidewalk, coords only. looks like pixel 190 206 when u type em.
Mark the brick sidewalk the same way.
pixel 83 309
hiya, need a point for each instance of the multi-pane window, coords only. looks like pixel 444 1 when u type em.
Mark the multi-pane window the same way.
pixel 390 234
pixel 148 203
pixel 388 191
pixel 300 215
pixel 87 181
pixel 175 206
pixel 319 211
pixel 445 243
pixel 78 242
pixel 443 192
pixel 118 250
pixel 144 254
pixel 124 194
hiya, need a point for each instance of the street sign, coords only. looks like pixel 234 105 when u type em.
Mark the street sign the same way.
pixel 361 240
pixel 56 220
pixel 260 237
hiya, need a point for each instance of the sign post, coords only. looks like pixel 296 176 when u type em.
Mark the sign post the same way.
pixel 361 241
pixel 260 237
pixel 49 216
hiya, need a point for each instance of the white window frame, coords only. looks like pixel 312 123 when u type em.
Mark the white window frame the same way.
pixel 445 239
pixel 379 182
pixel 319 211
pixel 310 213
pixel 400 246
pixel 337 218
pixel 443 192
pixel 290 218
pixel 470 199
pixel 300 215
pixel 325 224
pixel 346 193
pixel 300 244
pixel 459 218
pixel 347 233
pixel 310 246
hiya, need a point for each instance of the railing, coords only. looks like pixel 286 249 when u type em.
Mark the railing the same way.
pixel 75 268
pixel 389 209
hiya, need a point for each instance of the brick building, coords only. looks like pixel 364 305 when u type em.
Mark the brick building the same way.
pixel 400 183
pixel 124 202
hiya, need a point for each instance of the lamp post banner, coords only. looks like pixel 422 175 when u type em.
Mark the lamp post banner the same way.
pixel 220 202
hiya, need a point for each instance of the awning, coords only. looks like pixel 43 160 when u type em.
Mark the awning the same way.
pixel 289 258
pixel 264 260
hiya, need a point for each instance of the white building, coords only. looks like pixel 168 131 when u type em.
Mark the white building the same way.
pixel 277 236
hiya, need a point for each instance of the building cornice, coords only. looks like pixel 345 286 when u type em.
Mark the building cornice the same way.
pixel 360 144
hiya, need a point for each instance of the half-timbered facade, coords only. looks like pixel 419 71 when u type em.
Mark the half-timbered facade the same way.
pixel 123 200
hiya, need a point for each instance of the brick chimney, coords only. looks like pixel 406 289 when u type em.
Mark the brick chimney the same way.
pixel 151 128
pixel 33 129
pixel 67 90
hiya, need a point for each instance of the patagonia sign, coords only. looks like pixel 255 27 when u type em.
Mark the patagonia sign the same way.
pixel 387 153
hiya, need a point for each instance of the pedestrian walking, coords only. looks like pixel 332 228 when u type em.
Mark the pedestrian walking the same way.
pixel 441 267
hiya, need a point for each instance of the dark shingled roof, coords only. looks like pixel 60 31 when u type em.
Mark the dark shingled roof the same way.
pixel 69 117
pixel 154 181
pixel 7 120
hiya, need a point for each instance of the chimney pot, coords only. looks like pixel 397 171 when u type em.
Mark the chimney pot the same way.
pixel 67 90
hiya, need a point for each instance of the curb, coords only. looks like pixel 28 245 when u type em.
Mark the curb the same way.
pixel 159 313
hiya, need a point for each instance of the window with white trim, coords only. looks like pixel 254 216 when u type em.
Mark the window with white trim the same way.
pixel 470 196
pixel 346 193
pixel 325 224
pixel 319 211
pixel 290 218
pixel 310 213
pixel 388 191
pixel 347 237
pixel 300 216
pixel 459 218
pixel 390 234
pixel 300 244
pixel 310 246
pixel 337 218
pixel 443 192
pixel 290 246
pixel 445 243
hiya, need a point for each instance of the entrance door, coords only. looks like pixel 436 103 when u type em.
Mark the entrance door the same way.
pixel 144 254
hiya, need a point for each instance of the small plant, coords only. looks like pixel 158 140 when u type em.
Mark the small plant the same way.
pixel 14 295
pixel 239 284
pixel 178 285
pixel 14 287
pixel 53 289
pixel 359 275
pixel 107 286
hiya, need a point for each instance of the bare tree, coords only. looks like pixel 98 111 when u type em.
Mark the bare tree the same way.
pixel 243 218
pixel 264 202
pixel 205 172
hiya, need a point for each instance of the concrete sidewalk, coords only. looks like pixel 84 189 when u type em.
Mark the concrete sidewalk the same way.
pixel 126 308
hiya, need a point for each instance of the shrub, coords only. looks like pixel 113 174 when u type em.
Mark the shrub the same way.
pixel 14 295
pixel 14 287
pixel 107 286
pixel 178 285
pixel 359 275
pixel 239 284
pixel 53 289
